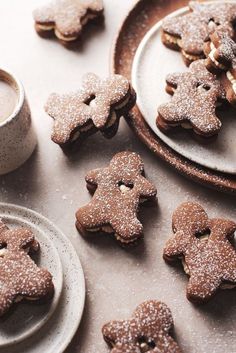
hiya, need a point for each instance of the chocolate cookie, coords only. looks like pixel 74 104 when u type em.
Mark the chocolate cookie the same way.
pixel 118 191
pixel 205 247
pixel 20 277
pixel 66 18
pixel 189 32
pixel 97 106
pixel 221 59
pixel 147 331
pixel 196 95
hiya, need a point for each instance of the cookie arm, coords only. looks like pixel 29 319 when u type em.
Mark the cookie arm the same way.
pixel 202 287
pixel 44 15
pixel 174 79
pixel 175 247
pixel 92 176
pixel 145 187
pixel 166 344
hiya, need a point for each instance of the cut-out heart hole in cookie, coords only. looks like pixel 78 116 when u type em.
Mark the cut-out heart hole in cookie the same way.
pixel 146 345
pixel 204 236
pixel 3 248
pixel 125 187
pixel 90 100
pixel 203 86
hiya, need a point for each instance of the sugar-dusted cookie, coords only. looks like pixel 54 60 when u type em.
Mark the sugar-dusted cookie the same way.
pixel 221 59
pixel 66 17
pixel 189 32
pixel 97 106
pixel 118 191
pixel 205 247
pixel 196 95
pixel 147 331
pixel 20 277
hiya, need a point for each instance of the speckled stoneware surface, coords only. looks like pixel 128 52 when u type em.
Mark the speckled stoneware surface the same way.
pixel 27 318
pixel 17 134
pixel 152 63
pixel 52 183
pixel 55 322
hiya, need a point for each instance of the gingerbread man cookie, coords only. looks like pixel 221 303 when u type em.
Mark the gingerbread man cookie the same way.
pixel 221 59
pixel 67 18
pixel 97 106
pixel 118 191
pixel 205 247
pixel 147 331
pixel 196 95
pixel 189 32
pixel 20 277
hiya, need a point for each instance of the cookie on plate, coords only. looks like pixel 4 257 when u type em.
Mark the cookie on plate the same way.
pixel 96 106
pixel 205 248
pixel 147 331
pixel 118 192
pixel 189 32
pixel 20 278
pixel 196 96
pixel 221 59
pixel 66 18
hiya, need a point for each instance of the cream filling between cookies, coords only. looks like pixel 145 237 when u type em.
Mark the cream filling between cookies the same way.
pixel 45 27
pixel 172 39
pixel 213 59
pixel 227 286
pixel 111 122
pixel 108 229
pixel 232 80
pixel 185 266
pixel 191 57
pixel 19 298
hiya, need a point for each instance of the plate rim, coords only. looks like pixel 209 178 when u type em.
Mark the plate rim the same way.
pixel 134 79
pixel 79 313
pixel 120 63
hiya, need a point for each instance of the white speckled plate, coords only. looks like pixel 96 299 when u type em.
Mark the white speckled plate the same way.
pixel 153 61
pixel 26 318
pixel 57 332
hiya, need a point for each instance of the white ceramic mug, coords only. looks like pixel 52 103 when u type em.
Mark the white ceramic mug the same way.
pixel 17 136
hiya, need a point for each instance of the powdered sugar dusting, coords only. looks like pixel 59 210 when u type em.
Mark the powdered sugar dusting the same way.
pixel 68 16
pixel 111 206
pixel 97 105
pixel 147 331
pixel 209 261
pixel 196 94
pixel 20 277
pixel 195 27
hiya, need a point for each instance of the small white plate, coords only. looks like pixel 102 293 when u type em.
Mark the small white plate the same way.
pixel 57 332
pixel 152 62
pixel 26 318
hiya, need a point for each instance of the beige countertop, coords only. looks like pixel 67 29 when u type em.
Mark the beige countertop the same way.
pixel 53 184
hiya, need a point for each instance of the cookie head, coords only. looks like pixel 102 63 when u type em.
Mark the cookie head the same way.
pixel 189 32
pixel 66 18
pixel 20 277
pixel 118 191
pixel 96 106
pixel 196 95
pixel 147 331
pixel 205 248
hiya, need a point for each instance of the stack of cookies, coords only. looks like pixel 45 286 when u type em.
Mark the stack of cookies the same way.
pixel 205 37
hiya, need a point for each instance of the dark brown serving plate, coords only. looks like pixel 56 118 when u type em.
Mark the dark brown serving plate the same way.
pixel 138 22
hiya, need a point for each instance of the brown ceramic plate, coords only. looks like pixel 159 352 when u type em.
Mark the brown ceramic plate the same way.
pixel 139 21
